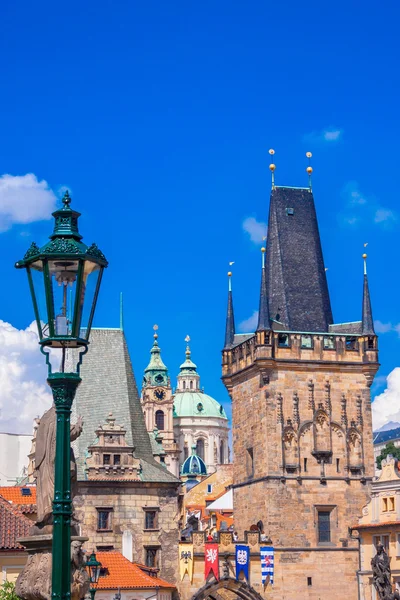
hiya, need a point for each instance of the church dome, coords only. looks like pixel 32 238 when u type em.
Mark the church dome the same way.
pixel 194 465
pixel 197 404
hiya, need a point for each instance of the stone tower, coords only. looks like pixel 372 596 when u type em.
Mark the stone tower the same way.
pixel 301 410
pixel 158 406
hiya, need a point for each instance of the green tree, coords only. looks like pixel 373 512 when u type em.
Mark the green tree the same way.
pixel 390 448
pixel 7 591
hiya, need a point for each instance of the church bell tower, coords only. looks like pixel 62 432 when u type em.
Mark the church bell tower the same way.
pixel 157 403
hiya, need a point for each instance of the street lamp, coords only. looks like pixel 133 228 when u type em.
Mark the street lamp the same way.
pixel 94 567
pixel 64 279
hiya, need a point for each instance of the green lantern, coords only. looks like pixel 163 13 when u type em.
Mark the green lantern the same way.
pixel 94 568
pixel 64 279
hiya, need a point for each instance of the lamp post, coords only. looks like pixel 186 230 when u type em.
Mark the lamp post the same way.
pixel 64 279
pixel 94 567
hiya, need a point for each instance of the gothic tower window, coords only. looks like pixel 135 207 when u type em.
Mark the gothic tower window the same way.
pixel 200 448
pixel 160 420
pixel 221 453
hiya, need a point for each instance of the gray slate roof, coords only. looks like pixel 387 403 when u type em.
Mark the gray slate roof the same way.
pixel 108 385
pixel 296 278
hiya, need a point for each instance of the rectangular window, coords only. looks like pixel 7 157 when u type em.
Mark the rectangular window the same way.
pixel 329 343
pixel 283 340
pixel 381 539
pixel 391 503
pixel 309 581
pixel 104 519
pixel 151 557
pixel 250 462
pixel 324 526
pixel 151 520
pixel 305 465
pixel 306 341
pixel 351 343
pixel 290 212
pixel 384 504
pixel 106 459
pixel 117 459
pixel 338 465
pixel 209 488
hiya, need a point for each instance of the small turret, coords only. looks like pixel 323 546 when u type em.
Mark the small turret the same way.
pixel 264 323
pixel 230 319
pixel 156 373
pixel 367 320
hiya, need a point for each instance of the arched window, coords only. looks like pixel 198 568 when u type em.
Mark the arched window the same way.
pixel 185 452
pixel 221 453
pixel 184 385
pixel 191 385
pixel 200 448
pixel 160 420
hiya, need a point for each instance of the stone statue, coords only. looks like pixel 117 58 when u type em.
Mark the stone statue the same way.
pixel 44 465
pixel 80 582
pixel 381 575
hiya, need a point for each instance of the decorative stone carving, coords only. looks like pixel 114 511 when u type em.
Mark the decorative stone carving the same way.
pixel 311 401
pixel 225 539
pixel 198 539
pixel 252 538
pixel 343 403
pixel 328 403
pixel 279 415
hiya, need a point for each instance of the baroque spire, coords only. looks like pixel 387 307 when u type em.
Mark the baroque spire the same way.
pixel 156 373
pixel 264 323
pixel 367 320
pixel 230 319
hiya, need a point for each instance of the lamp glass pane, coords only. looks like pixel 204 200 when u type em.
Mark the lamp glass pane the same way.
pixel 91 272
pixel 64 275
pixel 39 297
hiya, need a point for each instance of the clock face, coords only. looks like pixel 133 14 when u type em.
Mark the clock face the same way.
pixel 159 394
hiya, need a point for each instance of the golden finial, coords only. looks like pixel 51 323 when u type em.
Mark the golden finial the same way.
pixel 272 168
pixel 309 169
pixel 263 257
pixel 155 327
pixel 365 256
pixel 229 281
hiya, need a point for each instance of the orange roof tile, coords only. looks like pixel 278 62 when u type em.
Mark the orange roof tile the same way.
pixel 13 525
pixel 125 575
pixel 373 525
pixel 13 493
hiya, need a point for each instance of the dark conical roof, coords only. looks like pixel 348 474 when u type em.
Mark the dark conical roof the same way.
pixel 297 288
pixel 264 323
pixel 367 320
pixel 230 322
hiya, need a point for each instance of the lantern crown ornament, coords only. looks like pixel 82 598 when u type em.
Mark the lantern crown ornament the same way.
pixel 64 278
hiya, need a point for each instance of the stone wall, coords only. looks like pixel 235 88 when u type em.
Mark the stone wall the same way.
pixel 128 502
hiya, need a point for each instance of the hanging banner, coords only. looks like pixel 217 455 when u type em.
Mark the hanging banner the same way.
pixel 267 564
pixel 186 560
pixel 211 560
pixel 242 561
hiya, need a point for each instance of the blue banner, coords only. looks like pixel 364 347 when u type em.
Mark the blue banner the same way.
pixel 242 561
pixel 267 564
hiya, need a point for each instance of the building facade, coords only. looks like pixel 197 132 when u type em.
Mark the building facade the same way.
pixel 199 419
pixel 380 523
pixel 14 451
pixel 301 414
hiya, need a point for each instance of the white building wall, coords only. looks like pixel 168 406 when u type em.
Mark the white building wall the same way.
pixel 14 450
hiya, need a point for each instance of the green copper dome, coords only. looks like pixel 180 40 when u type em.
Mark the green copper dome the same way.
pixel 197 404
pixel 190 400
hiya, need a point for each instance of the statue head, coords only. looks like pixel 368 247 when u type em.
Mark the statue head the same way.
pixel 380 548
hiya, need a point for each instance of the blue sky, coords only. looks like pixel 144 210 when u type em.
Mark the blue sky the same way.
pixel 158 116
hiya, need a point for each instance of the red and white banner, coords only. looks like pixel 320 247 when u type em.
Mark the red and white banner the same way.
pixel 211 560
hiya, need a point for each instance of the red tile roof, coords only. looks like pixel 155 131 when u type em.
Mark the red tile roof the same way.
pixel 373 525
pixel 13 493
pixel 125 575
pixel 13 524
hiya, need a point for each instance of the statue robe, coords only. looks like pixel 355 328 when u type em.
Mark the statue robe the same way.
pixel 45 452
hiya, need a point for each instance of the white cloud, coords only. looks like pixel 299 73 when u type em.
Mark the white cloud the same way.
pixel 360 208
pixel 386 406
pixel 332 135
pixel 383 215
pixel 24 393
pixel 382 327
pixel 24 199
pixel 257 230
pixel 329 134
pixel 249 325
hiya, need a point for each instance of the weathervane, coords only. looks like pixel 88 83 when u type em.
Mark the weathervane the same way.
pixel 272 167
pixel 309 169
pixel 155 327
